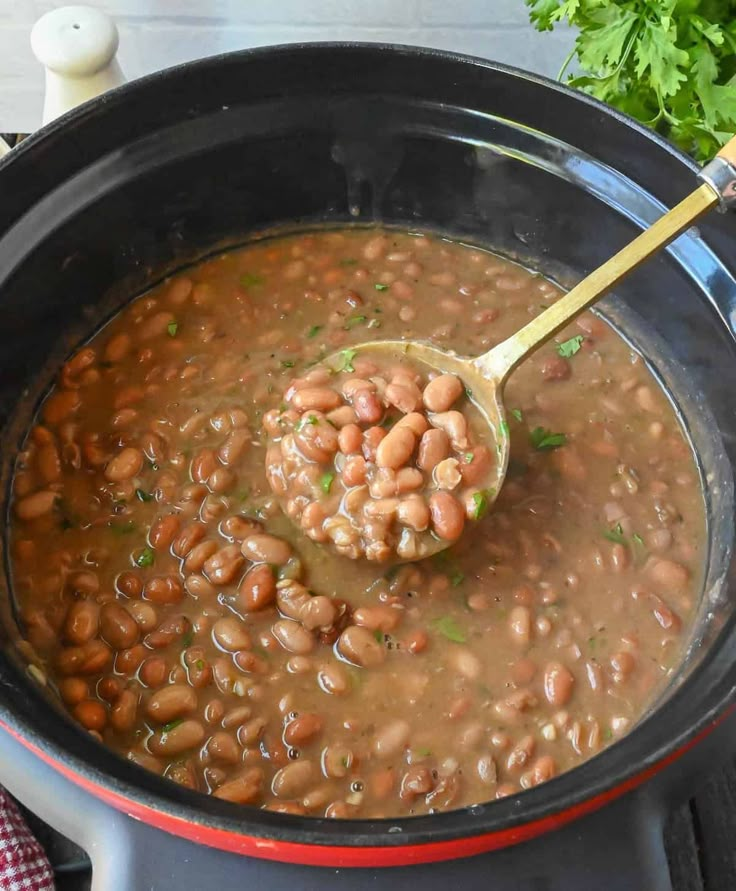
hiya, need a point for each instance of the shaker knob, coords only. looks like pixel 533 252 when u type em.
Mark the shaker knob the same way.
pixel 77 46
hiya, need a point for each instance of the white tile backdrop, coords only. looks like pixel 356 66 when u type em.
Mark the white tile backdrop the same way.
pixel 157 33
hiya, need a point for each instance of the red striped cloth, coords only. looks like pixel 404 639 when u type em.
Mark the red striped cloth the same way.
pixel 23 863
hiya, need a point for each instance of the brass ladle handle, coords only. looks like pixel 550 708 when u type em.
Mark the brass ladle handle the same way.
pixel 718 186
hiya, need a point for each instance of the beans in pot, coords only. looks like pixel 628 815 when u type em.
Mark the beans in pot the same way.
pixel 184 619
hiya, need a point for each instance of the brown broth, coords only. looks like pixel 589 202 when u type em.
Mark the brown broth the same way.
pixel 534 642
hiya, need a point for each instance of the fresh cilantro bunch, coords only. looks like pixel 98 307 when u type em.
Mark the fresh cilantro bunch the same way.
pixel 671 64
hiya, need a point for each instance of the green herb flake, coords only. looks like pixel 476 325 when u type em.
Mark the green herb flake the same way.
pixel 379 287
pixel 251 280
pixel 314 330
pixel 187 638
pixel 516 412
pixel 345 360
pixel 145 558
pixel 199 664
pixel 378 634
pixel 503 428
pixel 616 534
pixel 469 457
pixel 143 496
pixel 325 482
pixel 480 505
pixel 288 363
pixel 348 261
pixel 637 539
pixel 167 728
pixel 122 528
pixel 310 420
pixel 172 328
pixel 353 321
pixel 457 578
pixel 608 734
pixel 422 752
pixel 568 348
pixel 545 440
pixel 468 393
pixel 345 761
pixel 448 628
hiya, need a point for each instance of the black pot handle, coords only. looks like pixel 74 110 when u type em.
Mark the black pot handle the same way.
pixel 619 848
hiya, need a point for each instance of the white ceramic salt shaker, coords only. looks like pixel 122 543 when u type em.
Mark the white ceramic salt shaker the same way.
pixel 77 46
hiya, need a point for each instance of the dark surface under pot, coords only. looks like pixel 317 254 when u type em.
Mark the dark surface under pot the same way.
pixel 152 174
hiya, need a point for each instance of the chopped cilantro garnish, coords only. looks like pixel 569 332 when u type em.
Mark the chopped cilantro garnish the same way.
pixel 481 501
pixel 122 528
pixel 172 328
pixel 616 534
pixel 378 634
pixel 457 578
pixel 516 412
pixel 468 392
pixel 167 728
pixel 288 363
pixel 448 628
pixel 314 330
pixel 345 361
pixel 379 287
pixel 608 733
pixel 187 638
pixel 353 321
pixel 423 752
pixel 145 558
pixel 310 420
pixel 543 439
pixel 503 428
pixel 569 347
pixel 143 496
pixel 249 280
pixel 469 457
pixel 348 261
pixel 638 539
pixel 325 482
pixel 199 664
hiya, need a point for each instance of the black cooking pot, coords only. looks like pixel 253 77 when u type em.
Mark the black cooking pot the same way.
pixel 102 202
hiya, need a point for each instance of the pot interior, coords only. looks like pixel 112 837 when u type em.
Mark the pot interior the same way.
pixel 123 192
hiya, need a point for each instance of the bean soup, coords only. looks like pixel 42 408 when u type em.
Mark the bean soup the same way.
pixel 187 623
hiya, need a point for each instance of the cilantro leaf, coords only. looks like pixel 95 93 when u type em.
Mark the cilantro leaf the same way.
pixel 325 482
pixel 569 347
pixel 668 63
pixel 170 726
pixel 544 440
pixel 250 280
pixel 314 330
pixel 616 534
pixel 145 558
pixel 143 496
pixel 172 328
pixel 353 321
pixel 481 502
pixel 288 363
pixel 449 628
pixel 379 287
pixel 516 412
pixel 345 360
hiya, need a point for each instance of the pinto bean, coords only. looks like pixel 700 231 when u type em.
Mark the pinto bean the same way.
pixel 257 590
pixel 558 684
pixel 416 781
pixel 117 626
pixel 81 622
pixel 222 567
pixel 333 679
pixel 164 589
pixel 396 448
pixel 520 624
pixel 186 540
pixel 405 396
pixel 434 446
pixel 163 531
pixel 442 392
pixel 91 713
pixel 448 515
pixel 234 447
pixel 316 399
pixel 231 635
pixel 263 548
pixel 292 636
pixel 292 779
pixel 303 729
pixel 359 646
pixel 124 465
pixel 244 789
pixel 350 439
pixel 184 736
pixel 123 712
pixel 89 658
pixel 556 368
pixel 171 702
pixel 391 738
pixel 129 584
pixel 34 506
